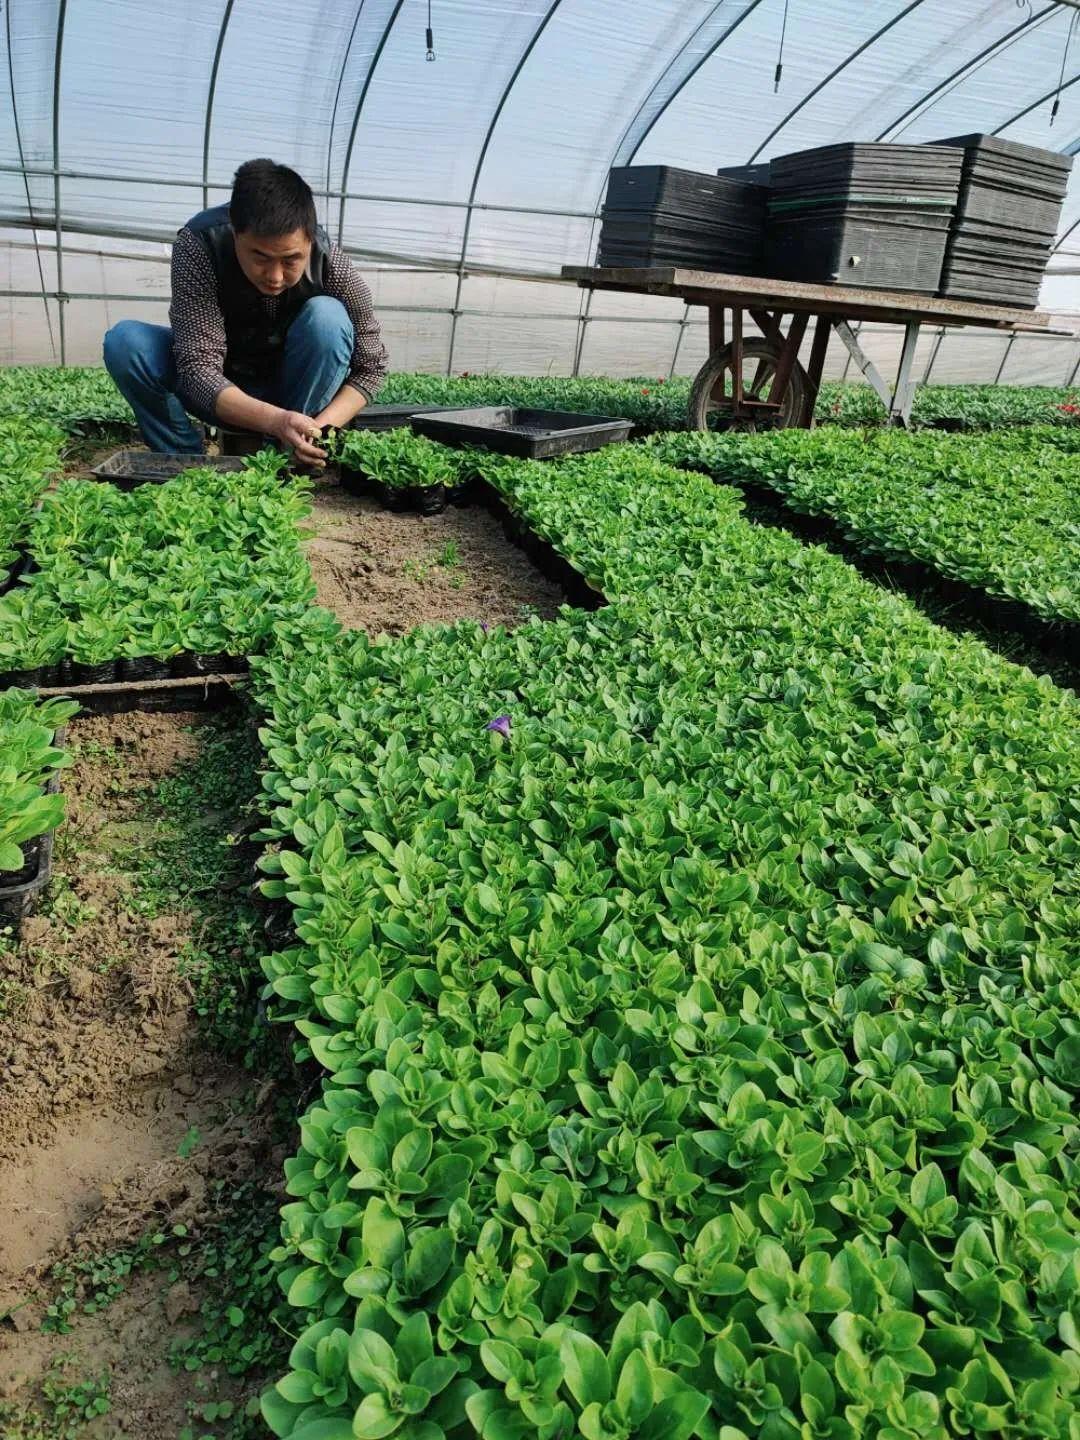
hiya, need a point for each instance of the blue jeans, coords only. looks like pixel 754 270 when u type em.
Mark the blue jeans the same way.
pixel 139 357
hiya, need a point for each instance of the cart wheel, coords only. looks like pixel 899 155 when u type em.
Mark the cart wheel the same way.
pixel 710 399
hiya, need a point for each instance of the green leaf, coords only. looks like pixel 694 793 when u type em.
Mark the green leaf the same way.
pixel 374 1419
pixel 585 1368
pixel 634 1393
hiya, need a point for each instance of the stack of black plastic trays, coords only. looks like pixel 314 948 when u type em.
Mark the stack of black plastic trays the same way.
pixel 658 215
pixel 1003 234
pixel 867 215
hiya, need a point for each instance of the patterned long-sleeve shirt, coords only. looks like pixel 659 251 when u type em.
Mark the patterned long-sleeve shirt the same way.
pixel 198 324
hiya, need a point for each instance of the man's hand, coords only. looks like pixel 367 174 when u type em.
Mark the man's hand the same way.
pixel 298 432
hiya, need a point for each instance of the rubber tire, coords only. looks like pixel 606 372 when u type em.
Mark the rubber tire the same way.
pixel 791 406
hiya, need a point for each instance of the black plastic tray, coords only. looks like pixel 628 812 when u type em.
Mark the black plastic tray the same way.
pixel 527 434
pixel 846 248
pixel 392 417
pixel 128 468
pixel 1033 155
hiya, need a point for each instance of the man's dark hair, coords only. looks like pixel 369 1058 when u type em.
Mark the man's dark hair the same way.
pixel 270 199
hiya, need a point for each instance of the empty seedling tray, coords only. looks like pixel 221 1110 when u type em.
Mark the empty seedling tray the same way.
pixel 526 434
pixel 149 467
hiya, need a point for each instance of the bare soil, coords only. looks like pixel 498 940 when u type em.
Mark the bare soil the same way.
pixel 388 573
pixel 114 1118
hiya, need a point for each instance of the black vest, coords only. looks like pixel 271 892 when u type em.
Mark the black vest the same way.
pixel 254 340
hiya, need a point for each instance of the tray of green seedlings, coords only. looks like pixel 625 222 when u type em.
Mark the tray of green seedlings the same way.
pixel 404 472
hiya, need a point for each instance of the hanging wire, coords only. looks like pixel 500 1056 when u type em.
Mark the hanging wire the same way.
pixel 430 35
pixel 780 57
pixel 1064 62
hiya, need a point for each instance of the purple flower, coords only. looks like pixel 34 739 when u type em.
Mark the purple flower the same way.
pixel 484 626
pixel 501 725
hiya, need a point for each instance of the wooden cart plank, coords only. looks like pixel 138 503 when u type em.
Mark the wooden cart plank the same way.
pixel 704 287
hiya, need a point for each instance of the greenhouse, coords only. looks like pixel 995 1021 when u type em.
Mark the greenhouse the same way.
pixel 539 724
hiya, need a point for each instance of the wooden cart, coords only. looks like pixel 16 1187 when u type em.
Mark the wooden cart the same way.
pixel 779 392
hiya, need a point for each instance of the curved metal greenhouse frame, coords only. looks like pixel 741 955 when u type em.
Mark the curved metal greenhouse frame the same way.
pixel 464 185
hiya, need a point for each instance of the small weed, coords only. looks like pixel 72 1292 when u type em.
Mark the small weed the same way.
pixel 417 571
pixel 14 998
pixel 93 1283
pixel 420 569
pixel 245 1318
pixel 189 1143
pixel 191 861
pixel 64 905
pixel 67 1404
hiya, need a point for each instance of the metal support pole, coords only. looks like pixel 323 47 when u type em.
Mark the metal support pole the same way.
pixel 865 364
pixel 1005 358
pixel 939 338
pixel 226 16
pixel 178 183
pixel 904 394
pixel 583 320
pixel 678 341
pixel 337 103
pixel 61 297
pixel 851 353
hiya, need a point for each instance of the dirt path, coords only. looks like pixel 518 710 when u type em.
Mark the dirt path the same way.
pixel 388 573
pixel 117 1123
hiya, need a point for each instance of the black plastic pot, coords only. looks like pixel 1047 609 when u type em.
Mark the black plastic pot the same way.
pixel 100 674
pixel 143 667
pixel 24 679
pixel 220 663
pixel 186 666
pixel 463 494
pixel 412 499
pixel 356 482
pixel 31 851
pixel 952 424
pixel 183 666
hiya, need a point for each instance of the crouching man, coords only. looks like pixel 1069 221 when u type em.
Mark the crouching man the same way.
pixel 272 327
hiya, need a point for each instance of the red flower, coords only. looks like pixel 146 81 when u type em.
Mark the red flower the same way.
pixel 1068 409
pixel 645 390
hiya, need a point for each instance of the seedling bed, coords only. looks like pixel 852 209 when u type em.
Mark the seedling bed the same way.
pixel 997 618
pixel 524 433
pixel 578 589
pixel 130 468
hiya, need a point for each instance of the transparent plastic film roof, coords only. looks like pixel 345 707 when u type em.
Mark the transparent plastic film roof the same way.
pixel 462 184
